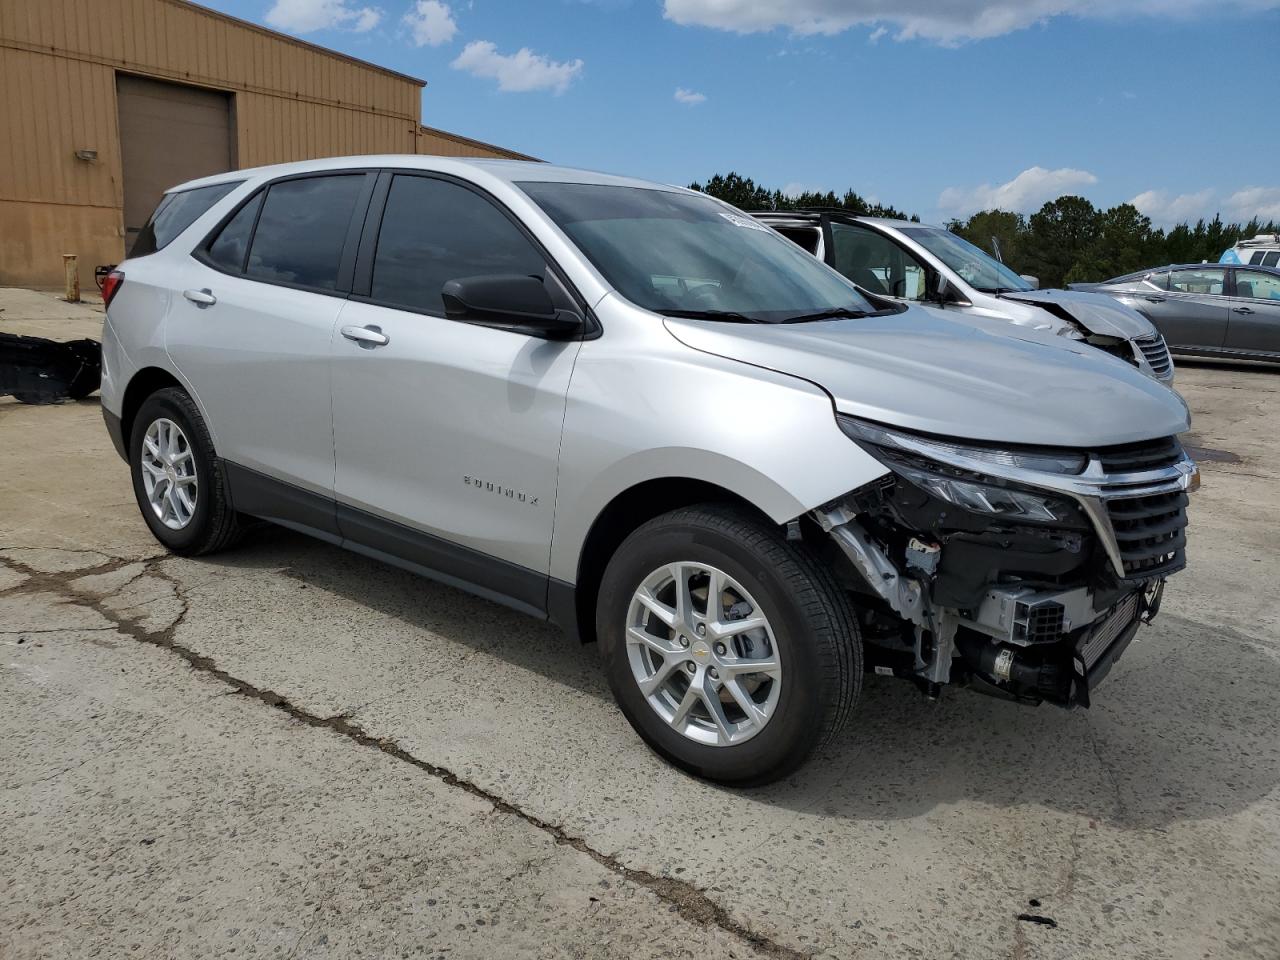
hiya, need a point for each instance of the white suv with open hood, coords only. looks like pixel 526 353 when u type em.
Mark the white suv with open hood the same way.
pixel 915 263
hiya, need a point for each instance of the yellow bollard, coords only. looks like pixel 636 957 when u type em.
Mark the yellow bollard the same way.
pixel 70 278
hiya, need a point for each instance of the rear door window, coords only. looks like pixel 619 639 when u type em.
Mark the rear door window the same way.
pixel 176 212
pixel 434 231
pixel 302 231
pixel 1256 285
pixel 1271 258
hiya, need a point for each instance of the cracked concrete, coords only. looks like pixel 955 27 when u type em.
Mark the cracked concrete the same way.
pixel 396 762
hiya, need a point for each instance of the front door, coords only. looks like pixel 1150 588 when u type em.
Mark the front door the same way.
pixel 1255 312
pixel 447 435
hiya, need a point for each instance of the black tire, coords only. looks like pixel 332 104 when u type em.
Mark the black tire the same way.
pixel 814 626
pixel 214 525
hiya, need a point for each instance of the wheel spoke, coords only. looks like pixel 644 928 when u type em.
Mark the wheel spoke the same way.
pixel 665 669
pixel 691 696
pixel 684 600
pixel 731 628
pixel 715 592
pixel 659 645
pixel 743 700
pixel 736 667
pixel 711 700
pixel 186 481
pixel 657 607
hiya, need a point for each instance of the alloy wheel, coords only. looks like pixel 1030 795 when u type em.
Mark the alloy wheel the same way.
pixel 169 473
pixel 703 654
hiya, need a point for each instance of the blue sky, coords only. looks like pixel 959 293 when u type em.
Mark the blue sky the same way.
pixel 939 108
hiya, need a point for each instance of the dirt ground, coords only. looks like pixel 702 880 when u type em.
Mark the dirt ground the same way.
pixel 291 751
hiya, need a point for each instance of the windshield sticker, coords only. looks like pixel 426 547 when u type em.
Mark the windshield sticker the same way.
pixel 747 222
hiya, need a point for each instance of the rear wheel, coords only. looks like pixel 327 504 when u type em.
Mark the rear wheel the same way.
pixel 177 478
pixel 730 650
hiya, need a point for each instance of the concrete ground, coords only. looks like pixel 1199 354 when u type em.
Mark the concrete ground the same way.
pixel 287 750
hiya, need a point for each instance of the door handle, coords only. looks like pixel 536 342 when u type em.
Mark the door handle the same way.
pixel 201 298
pixel 1242 310
pixel 368 337
pixel 1154 299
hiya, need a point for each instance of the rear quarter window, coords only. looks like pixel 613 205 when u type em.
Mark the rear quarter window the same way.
pixel 176 212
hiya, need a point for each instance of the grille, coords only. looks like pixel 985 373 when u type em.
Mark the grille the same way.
pixel 1136 457
pixel 1151 533
pixel 1157 354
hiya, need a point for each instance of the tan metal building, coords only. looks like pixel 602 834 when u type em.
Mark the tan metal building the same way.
pixel 105 103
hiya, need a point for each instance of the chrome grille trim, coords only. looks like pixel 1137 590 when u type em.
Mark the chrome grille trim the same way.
pixel 1156 353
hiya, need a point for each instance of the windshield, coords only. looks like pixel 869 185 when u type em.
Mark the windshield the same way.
pixel 686 255
pixel 976 267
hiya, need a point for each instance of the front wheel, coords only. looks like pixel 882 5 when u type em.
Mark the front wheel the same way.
pixel 732 651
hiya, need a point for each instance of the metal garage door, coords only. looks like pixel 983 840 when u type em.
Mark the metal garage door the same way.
pixel 168 133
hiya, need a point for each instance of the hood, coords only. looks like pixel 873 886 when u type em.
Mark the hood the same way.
pixel 921 370
pixel 1096 312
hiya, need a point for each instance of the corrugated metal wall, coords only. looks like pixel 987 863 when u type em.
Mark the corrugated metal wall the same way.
pixel 58 60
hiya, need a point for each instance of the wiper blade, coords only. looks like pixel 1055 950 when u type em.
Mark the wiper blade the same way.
pixel 728 316
pixel 837 314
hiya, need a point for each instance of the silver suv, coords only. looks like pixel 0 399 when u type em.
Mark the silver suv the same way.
pixel 632 410
pixel 913 262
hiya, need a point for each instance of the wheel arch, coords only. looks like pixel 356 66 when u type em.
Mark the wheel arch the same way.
pixel 573 605
pixel 142 385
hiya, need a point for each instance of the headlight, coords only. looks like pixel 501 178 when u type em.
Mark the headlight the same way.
pixel 926 464
pixel 1045 461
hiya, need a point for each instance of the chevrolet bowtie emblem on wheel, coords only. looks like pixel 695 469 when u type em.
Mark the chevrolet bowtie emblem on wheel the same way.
pixel 509 492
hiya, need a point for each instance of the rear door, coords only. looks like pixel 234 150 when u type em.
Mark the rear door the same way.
pixel 252 315
pixel 448 434
pixel 1255 312
pixel 1190 306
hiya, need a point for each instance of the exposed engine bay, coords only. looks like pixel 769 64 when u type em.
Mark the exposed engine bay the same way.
pixel 1024 573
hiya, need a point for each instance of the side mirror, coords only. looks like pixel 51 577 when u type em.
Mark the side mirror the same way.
pixel 509 302
pixel 1034 281
pixel 942 291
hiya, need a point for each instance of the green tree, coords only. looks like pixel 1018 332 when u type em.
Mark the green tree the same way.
pixel 996 229
pixel 1062 239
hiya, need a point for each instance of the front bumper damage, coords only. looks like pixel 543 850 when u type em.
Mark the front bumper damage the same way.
pixel 1033 615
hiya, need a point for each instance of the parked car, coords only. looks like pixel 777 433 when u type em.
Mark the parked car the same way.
pixel 1262 250
pixel 904 261
pixel 1206 309
pixel 632 410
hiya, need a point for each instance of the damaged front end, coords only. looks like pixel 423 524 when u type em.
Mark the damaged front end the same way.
pixel 1022 572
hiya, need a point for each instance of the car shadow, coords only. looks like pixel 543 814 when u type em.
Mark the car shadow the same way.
pixel 1183 729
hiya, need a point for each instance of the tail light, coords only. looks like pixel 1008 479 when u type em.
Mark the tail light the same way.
pixel 111 285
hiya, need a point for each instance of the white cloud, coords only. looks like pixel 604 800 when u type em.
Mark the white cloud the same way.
pixel 1165 210
pixel 950 22
pixel 1025 193
pixel 1260 202
pixel 517 72
pixel 1243 205
pixel 430 23
pixel 689 96
pixel 306 16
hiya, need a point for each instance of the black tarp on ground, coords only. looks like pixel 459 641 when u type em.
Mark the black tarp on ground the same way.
pixel 36 370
